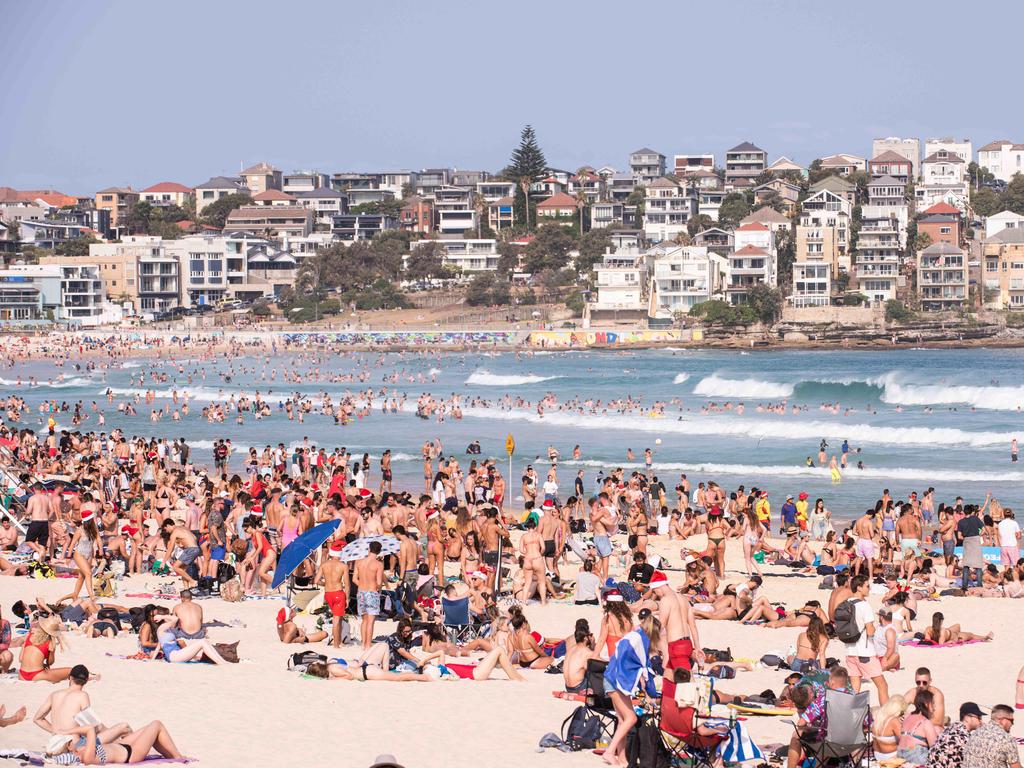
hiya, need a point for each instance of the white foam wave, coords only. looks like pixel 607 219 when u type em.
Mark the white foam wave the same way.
pixel 487 379
pixel 713 426
pixel 718 386
pixel 988 397
pixel 680 378
pixel 197 394
pixel 851 473
pixel 433 372
pixel 77 381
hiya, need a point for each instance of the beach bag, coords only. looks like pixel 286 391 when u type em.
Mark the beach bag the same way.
pixel 102 586
pixel 135 617
pixel 231 591
pixel 581 729
pixel 228 651
pixel 109 614
pixel 771 660
pixel 713 654
pixel 723 673
pixel 845 622
pixel 298 662
pixel 644 747
pixel 41 571
pixel 225 572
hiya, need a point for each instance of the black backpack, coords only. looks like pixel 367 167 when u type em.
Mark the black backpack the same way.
pixel 299 661
pixel 845 622
pixel 581 729
pixel 644 747
pixel 225 572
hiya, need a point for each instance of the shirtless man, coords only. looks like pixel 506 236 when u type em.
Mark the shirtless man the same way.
pixel 923 679
pixel 57 714
pixel 407 557
pixel 840 594
pixel 678 625
pixel 864 532
pixel 38 533
pixel 601 524
pixel 190 618
pixel 334 575
pixel 531 547
pixel 550 532
pixel 368 578
pixel 574 668
pixel 179 536
pixel 490 533
pixel 385 471
pixel 908 528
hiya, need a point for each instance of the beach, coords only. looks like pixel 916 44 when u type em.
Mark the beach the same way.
pixel 257 713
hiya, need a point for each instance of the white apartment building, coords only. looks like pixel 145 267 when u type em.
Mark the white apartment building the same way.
pixel 605 213
pixel 812 284
pixel 684 276
pixel 204 262
pixel 941 277
pixel 1002 158
pixel 876 272
pixel 469 255
pixel 754 260
pixel 646 165
pixel 492 191
pixel 907 148
pixel 1000 221
pixel 962 148
pixel 668 206
pixel 83 299
pixel 620 282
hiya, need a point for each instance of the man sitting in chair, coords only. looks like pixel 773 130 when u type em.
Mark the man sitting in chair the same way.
pixel 808 696
pixel 681 722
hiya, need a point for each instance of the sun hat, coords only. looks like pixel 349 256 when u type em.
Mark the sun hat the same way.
pixel 58 744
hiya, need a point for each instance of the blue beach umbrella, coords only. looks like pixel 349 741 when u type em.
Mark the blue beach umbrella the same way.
pixel 305 545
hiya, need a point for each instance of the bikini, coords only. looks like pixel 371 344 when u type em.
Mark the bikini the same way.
pixel 44 649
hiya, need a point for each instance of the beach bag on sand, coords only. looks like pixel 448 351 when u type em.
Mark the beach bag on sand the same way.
pixel 229 651
pixel 845 622
pixel 644 747
pixel 581 729
pixel 231 591
pixel 298 662
pixel 102 586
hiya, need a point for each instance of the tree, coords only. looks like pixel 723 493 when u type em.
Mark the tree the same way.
pixel 699 223
pixel 480 206
pixel 77 248
pixel 549 249
pixel 424 262
pixel 766 303
pixel 508 258
pixel 921 241
pixel 139 217
pixel 860 180
pixel 734 208
pixel 786 249
pixel 986 201
pixel 487 289
pixel 1013 195
pixel 216 213
pixel 896 312
pixel 773 200
pixel 527 166
pixel 592 247
pixel 979 175
pixel 390 207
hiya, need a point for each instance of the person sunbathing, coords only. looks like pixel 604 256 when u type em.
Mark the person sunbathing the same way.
pixel 435 640
pixel 332 670
pixel 40 650
pixel 483 669
pixel 938 634
pixel 289 631
pixel 801 617
pixel 130 749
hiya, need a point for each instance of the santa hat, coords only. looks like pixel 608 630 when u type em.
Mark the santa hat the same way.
pixel 432 514
pixel 87 515
pixel 364 493
pixel 658 579
pixel 549 504
pixel 336 546
pixel 613 596
pixel 257 509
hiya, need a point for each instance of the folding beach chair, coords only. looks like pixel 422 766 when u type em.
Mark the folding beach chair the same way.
pixel 458 622
pixel 678 721
pixel 845 739
pixel 597 702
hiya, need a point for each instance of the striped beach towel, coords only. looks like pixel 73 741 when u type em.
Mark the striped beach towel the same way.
pixel 740 747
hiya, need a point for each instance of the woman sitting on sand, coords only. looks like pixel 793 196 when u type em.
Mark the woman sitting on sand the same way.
pixel 40 650
pixel 810 646
pixel 918 733
pixel 176 650
pixel 887 726
pixel 937 634
pixel 130 749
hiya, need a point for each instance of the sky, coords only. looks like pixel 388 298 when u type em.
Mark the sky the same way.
pixel 132 93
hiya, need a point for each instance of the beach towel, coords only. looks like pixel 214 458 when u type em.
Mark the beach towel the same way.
pixel 915 643
pixel 740 747
pixel 629 663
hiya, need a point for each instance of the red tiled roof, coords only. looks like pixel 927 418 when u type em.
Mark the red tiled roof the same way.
pixel 49 196
pixel 57 199
pixel 185 224
pixel 942 208
pixel 272 194
pixel 558 200
pixel 753 226
pixel 169 186
pixel 751 250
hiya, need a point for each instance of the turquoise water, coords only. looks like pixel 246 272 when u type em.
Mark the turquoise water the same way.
pixel 919 418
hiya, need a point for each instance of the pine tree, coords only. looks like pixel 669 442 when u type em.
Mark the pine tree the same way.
pixel 528 159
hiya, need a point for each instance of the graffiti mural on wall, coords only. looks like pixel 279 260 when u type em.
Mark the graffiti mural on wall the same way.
pixel 405 338
pixel 602 338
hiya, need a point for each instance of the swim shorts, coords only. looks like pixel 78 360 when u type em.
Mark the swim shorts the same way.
pixel 367 603
pixel 218 553
pixel 188 555
pixel 38 532
pixel 679 653
pixel 914 545
pixel 603 544
pixel 866 548
pixel 337 601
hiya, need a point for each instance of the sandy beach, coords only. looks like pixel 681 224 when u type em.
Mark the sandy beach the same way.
pixel 257 712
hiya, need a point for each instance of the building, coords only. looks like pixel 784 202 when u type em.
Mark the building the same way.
pixel 843 164
pixel 261 177
pixel 324 202
pixel 456 221
pixel 715 239
pixel 493 190
pixel 48 233
pixel 298 182
pixel 166 193
pixel 785 191
pixel 605 213
pixel 119 201
pixel 840 186
pixel 943 167
pixel 620 282
pixel 620 186
pixel 887 190
pixel 1003 275
pixel 357 196
pixel 214 189
pixel 683 276
pixel 350 227
pixel 139 271
pixel 745 161
pixel 709 201
pixel 560 208
pixel 83 299
pixel 416 215
pixel 748 266
pixel 683 164
pixel 823 235
pixel 429 179
pixel 962 148
pixel 785 165
pixel 203 261
pixel 942 223
pixel 1006 220
pixel 398 182
pixel 468 255
pixel 1002 158
pixel 30 292
pixel 646 165
pixel 941 277
pixel 501 214
pixel 876 272
pixel 909 149
pixel 769 217
pixel 891 164
pixel 19 212
pixel 270 220
pixel 812 283
pixel 274 197
pixel 668 207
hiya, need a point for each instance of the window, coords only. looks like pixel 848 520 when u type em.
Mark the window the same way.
pixel 944 230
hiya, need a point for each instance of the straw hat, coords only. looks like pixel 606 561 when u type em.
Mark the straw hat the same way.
pixel 58 744
pixel 51 626
pixel 386 761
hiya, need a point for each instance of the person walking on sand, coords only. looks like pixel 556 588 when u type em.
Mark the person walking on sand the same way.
pixel 678 625
pixel 368 577
pixel 334 575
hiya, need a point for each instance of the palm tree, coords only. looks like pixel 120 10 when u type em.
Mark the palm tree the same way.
pixel 525 184
pixel 480 203
pixel 581 203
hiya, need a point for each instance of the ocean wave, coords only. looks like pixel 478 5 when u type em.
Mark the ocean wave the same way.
pixel 680 378
pixel 433 372
pixel 718 386
pixel 197 394
pixel 487 379
pixel 759 429
pixel 989 397
pixel 851 473
pixel 77 381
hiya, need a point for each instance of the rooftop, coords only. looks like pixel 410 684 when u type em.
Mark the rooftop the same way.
pixel 169 186
pixel 746 146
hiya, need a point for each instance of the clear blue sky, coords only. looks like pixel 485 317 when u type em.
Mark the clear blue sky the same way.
pixel 102 93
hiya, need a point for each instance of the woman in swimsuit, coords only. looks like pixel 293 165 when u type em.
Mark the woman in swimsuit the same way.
pixel 918 733
pixel 636 525
pixel 84 544
pixel 888 726
pixel 531 546
pixel 130 749
pixel 470 557
pixel 291 525
pixel 717 535
pixel 435 550
pixel 452 546
pixel 173 650
pixel 616 622
pixel 753 531
pixel 525 650
pixel 262 556
pixel 810 647
pixel 39 651
pixel 941 635
pixel 362 672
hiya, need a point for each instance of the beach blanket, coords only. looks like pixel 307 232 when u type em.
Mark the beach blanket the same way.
pixel 140 656
pixel 915 643
pixel 762 711
pixel 152 595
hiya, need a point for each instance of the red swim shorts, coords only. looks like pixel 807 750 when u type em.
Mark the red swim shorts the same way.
pixel 679 653
pixel 337 601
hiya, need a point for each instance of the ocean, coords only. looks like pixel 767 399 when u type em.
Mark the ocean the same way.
pixel 913 418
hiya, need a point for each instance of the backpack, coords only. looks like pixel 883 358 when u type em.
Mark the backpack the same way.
pixel 231 591
pixel 581 729
pixel 644 747
pixel 845 622
pixel 225 572
pixel 299 661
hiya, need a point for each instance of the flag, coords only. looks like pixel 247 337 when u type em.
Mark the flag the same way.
pixel 629 664
pixel 740 747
